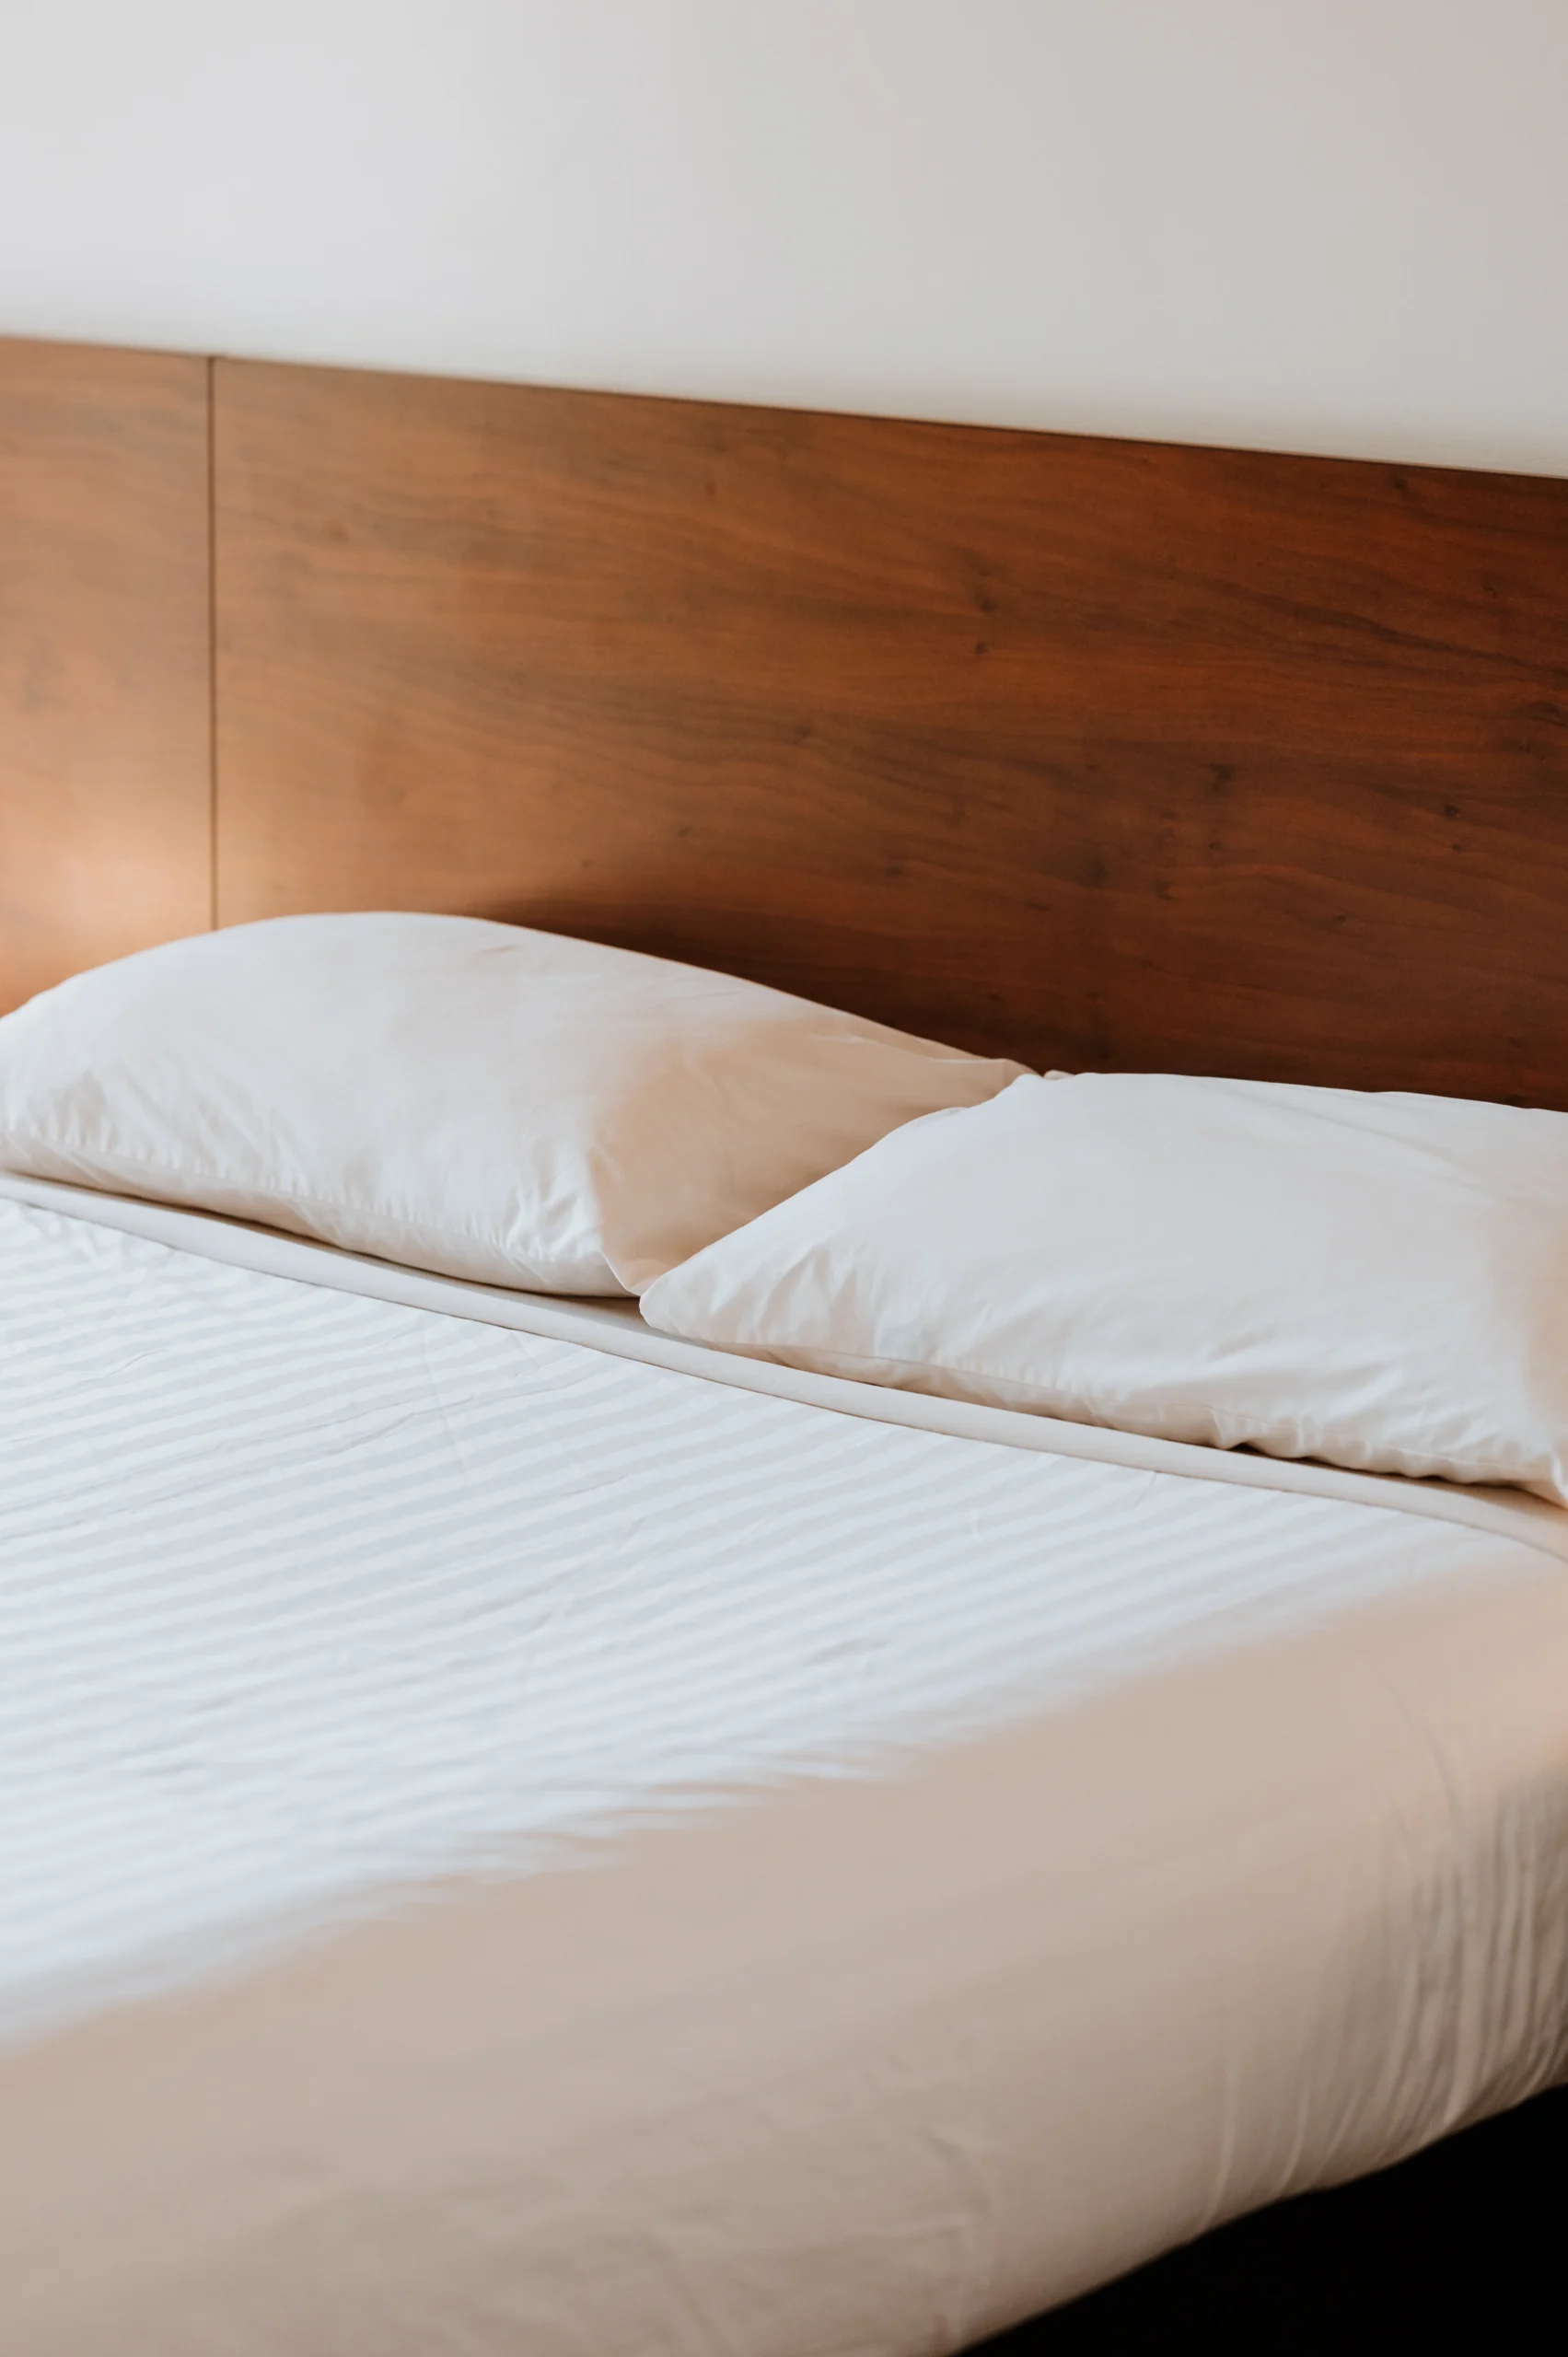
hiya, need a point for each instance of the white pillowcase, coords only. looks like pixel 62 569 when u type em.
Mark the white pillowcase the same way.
pixel 497 1104
pixel 1380 1280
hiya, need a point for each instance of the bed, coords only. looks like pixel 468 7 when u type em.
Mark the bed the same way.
pixel 524 1833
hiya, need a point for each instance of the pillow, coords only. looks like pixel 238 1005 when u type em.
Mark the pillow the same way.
pixel 470 1097
pixel 1378 1281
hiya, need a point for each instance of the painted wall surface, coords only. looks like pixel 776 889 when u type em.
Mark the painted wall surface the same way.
pixel 1316 225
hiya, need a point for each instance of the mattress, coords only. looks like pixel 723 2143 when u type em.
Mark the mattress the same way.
pixel 523 1837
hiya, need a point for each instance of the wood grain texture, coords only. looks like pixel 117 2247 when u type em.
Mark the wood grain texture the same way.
pixel 1105 753
pixel 105 723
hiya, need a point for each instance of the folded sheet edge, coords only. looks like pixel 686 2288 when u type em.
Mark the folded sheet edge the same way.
pixel 617 1327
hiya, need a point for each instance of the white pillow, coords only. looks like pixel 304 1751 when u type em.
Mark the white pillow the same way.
pixel 497 1104
pixel 1378 1281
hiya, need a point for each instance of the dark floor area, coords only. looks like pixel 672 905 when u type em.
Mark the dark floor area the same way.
pixel 1468 2241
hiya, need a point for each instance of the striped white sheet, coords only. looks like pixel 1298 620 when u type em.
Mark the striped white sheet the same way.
pixel 309 1593
pixel 312 1602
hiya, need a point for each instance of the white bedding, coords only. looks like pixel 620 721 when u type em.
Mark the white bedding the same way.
pixel 1001 1863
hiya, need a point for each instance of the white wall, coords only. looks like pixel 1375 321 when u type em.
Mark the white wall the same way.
pixel 1323 225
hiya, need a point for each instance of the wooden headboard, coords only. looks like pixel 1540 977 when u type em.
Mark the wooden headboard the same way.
pixel 105 697
pixel 1107 753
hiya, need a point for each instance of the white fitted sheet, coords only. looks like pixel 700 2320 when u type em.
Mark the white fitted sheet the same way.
pixel 1001 1863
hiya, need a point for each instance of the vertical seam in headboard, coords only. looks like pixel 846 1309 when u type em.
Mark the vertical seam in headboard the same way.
pixel 212 651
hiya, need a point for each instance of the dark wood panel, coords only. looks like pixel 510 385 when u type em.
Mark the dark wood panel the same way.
pixel 105 838
pixel 1103 752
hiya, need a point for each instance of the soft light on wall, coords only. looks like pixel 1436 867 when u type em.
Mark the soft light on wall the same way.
pixel 1325 225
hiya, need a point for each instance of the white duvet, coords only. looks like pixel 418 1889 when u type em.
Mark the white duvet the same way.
pixel 512 1842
